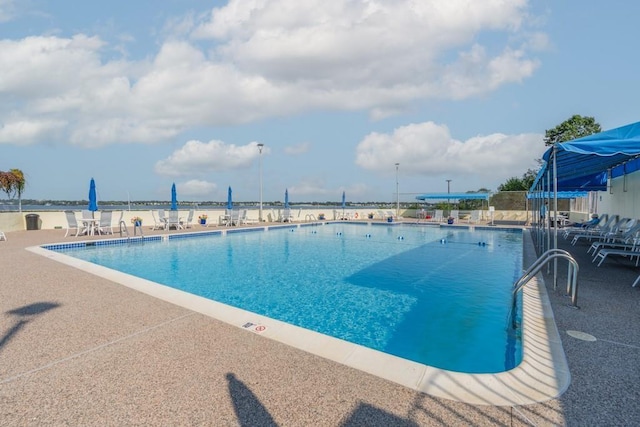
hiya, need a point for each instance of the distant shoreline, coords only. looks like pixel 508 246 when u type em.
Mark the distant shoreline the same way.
pixel 12 206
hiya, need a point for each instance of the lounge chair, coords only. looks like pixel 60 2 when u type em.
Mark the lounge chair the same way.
pixel 474 217
pixel 72 222
pixel 623 240
pixel 598 232
pixel 382 215
pixel 632 253
pixel 438 216
pixel 104 226
pixel 455 214
pixel 3 236
pixel 580 229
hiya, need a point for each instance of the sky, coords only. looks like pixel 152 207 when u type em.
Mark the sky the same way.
pixel 369 97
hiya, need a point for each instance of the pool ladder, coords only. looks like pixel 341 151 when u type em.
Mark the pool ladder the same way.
pixel 551 254
pixel 124 230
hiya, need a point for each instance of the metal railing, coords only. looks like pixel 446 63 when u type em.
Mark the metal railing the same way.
pixel 572 273
pixel 123 228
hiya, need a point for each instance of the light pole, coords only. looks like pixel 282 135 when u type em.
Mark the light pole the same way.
pixel 449 192
pixel 260 146
pixel 397 193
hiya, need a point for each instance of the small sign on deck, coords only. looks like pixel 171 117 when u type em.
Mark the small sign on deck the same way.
pixel 254 327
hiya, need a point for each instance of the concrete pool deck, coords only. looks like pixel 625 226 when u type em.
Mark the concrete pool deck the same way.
pixel 76 348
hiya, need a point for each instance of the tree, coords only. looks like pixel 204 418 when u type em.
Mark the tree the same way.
pixel 472 204
pixel 513 184
pixel 13 183
pixel 575 127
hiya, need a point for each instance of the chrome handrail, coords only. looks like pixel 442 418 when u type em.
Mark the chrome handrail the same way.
pixel 551 254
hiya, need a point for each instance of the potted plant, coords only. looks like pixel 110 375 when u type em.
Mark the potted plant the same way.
pixel 203 219
pixel 136 221
pixel 371 214
pixel 320 216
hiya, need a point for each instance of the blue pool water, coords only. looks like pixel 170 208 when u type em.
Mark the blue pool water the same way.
pixel 438 296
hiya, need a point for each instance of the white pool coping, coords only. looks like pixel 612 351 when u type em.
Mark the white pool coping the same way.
pixel 542 375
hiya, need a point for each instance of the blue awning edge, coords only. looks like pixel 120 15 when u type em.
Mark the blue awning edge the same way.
pixel 583 164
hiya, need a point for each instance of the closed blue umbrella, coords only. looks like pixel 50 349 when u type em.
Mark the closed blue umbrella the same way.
pixel 344 203
pixel 93 199
pixel 174 198
pixel 229 200
pixel 286 198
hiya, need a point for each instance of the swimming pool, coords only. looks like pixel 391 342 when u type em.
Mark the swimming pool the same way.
pixel 437 296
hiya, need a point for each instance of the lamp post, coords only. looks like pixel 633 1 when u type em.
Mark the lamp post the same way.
pixel 260 146
pixel 449 192
pixel 397 193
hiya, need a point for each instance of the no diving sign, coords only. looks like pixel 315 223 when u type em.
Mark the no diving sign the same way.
pixel 254 327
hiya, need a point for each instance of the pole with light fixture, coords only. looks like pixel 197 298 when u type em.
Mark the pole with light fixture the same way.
pixel 449 192
pixel 260 146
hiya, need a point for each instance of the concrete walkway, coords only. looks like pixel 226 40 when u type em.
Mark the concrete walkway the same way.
pixel 76 349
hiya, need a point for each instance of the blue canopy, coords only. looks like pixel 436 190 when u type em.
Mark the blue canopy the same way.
pixel 449 196
pixel 561 194
pixel 584 163
pixel 93 199
pixel 174 198
pixel 286 198
pixel 229 200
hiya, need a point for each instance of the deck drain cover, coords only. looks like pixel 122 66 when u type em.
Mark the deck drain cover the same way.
pixel 581 335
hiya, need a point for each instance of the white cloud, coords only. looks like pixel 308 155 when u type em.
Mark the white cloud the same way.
pixel 366 46
pixel 428 150
pixel 254 59
pixel 28 131
pixel 196 188
pixel 197 157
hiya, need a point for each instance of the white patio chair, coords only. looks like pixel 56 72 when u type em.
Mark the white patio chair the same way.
pixel 287 216
pixel 162 218
pixel 157 224
pixel 235 218
pixel 244 218
pixel 3 236
pixel 104 226
pixel 72 222
pixel 173 220
pixel 438 215
pixel 474 217
pixel 189 221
